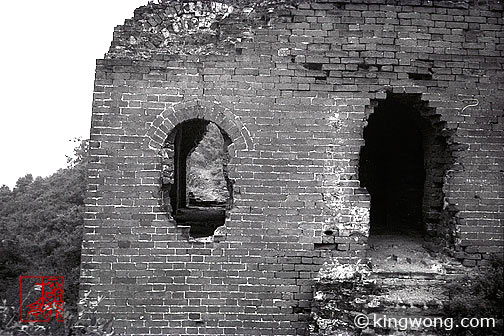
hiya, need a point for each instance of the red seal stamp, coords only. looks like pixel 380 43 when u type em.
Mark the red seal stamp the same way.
pixel 40 296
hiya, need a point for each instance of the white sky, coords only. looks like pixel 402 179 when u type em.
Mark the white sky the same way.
pixel 48 52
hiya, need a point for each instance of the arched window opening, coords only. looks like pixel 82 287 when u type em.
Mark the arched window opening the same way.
pixel 402 165
pixel 198 191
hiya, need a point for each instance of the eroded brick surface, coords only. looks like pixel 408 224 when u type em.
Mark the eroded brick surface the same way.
pixel 294 94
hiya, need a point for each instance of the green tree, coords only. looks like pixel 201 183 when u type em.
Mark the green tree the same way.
pixel 41 223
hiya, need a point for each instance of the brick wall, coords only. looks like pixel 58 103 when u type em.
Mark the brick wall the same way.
pixel 294 92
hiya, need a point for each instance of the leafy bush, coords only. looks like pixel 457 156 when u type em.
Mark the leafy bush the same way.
pixel 88 325
pixel 478 295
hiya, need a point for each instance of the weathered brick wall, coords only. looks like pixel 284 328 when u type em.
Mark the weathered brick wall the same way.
pixel 293 93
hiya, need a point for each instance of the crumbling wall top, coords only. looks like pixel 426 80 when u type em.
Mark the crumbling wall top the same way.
pixel 179 27
pixel 188 27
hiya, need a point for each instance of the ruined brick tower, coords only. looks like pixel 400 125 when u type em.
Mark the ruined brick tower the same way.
pixel 340 119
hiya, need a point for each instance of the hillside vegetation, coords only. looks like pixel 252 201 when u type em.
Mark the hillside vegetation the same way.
pixel 41 223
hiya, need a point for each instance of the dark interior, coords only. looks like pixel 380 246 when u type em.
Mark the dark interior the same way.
pixel 392 168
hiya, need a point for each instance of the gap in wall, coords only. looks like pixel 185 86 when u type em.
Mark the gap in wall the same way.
pixel 403 165
pixel 200 192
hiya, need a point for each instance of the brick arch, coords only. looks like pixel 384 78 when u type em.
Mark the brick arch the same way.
pixel 223 117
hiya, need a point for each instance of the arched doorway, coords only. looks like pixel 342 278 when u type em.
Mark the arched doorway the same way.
pixel 403 165
pixel 392 168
